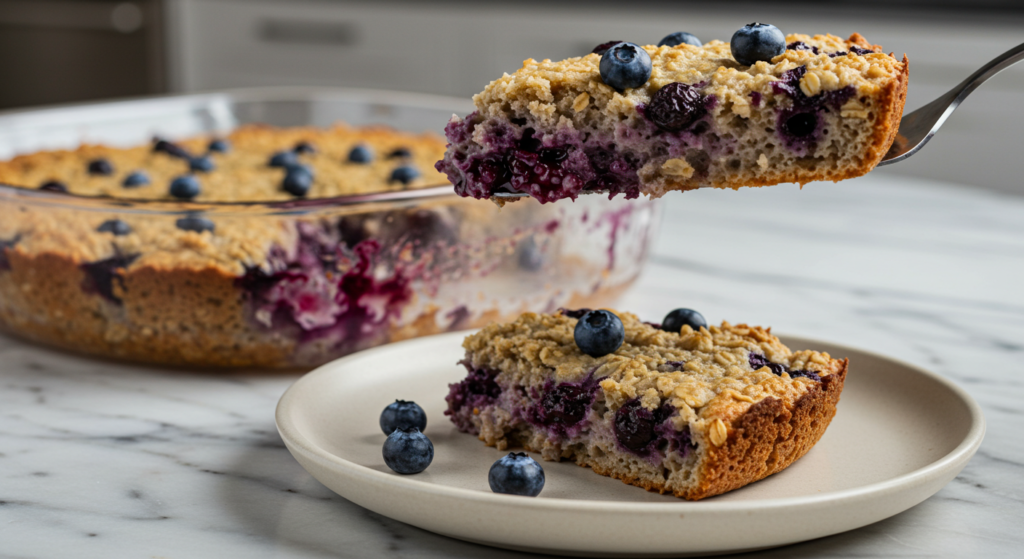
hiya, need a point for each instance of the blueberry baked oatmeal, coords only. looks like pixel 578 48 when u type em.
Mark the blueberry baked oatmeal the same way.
pixel 670 408
pixel 629 119
pixel 228 251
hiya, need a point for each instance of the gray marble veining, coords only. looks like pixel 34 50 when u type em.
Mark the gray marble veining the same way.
pixel 101 459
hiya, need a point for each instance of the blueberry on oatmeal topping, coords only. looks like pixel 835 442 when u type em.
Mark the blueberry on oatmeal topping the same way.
pixel 599 333
pixel 680 38
pixel 756 42
pixel 625 66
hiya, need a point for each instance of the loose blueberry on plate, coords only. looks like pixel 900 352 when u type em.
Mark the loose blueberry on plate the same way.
pixel 599 333
pixel 115 226
pixel 185 187
pixel 676 319
pixel 680 38
pixel 297 180
pixel 283 159
pixel 53 186
pixel 402 415
pixel 304 147
pixel 360 154
pixel 100 167
pixel 603 47
pixel 408 451
pixel 399 152
pixel 201 164
pixel 194 223
pixel 219 146
pixel 625 65
pixel 757 41
pixel 516 474
pixel 404 174
pixel 135 180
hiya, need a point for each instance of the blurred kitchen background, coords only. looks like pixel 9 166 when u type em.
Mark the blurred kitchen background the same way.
pixel 61 51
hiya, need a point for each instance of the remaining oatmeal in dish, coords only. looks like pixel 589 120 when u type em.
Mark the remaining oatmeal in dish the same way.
pixel 629 119
pixel 252 164
pixel 670 408
pixel 278 247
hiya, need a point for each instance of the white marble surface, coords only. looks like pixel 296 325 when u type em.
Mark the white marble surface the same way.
pixel 100 459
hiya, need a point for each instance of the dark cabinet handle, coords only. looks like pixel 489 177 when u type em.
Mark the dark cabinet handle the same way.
pixel 293 31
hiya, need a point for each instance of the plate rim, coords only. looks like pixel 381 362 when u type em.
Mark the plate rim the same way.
pixel 964 450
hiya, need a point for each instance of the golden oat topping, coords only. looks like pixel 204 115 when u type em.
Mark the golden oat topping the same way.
pixel 242 173
pixel 712 372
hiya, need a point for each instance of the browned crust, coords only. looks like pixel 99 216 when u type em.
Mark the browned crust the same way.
pixel 769 437
pixel 764 440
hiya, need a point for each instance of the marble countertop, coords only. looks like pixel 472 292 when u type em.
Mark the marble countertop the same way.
pixel 101 459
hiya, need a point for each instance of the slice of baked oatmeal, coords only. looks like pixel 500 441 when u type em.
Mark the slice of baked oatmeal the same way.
pixel 824 109
pixel 692 413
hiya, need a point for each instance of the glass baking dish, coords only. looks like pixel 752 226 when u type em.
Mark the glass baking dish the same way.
pixel 287 284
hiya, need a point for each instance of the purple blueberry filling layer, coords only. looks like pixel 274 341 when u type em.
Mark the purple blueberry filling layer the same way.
pixel 101 275
pixel 564 406
pixel 649 434
pixel 328 289
pixel 334 285
pixel 492 156
pixel 475 392
pixel 757 361
pixel 5 263
pixel 801 126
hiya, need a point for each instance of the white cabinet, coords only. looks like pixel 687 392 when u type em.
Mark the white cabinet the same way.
pixel 455 48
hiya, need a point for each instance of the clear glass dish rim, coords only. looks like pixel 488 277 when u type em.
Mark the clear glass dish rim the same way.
pixel 65 200
pixel 42 198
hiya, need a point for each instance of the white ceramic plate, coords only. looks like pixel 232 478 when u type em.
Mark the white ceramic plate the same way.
pixel 900 434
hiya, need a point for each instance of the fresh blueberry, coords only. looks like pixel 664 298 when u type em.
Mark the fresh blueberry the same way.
pixel 219 146
pixel 625 66
pixel 185 187
pixel 599 333
pixel 399 152
pixel 360 154
pixel 283 159
pixel 115 226
pixel 603 47
pixel 100 167
pixel 135 179
pixel 404 174
pixel 172 149
pixel 53 186
pixel 402 415
pixel 194 223
pixel 675 320
pixel 676 106
pixel 408 451
pixel 757 41
pixel 680 38
pixel 297 180
pixel 516 474
pixel 304 147
pixel 201 164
